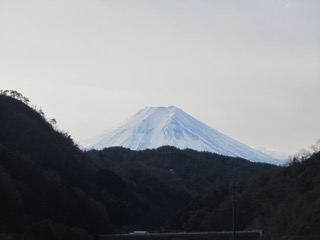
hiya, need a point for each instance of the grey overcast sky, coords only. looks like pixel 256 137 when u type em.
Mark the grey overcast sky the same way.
pixel 249 68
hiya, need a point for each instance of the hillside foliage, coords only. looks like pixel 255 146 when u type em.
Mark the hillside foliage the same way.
pixel 50 189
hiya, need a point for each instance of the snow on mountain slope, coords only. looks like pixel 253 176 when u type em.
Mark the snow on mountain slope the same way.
pixel 153 127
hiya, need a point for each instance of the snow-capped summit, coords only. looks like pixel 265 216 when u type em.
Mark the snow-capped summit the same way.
pixel 153 127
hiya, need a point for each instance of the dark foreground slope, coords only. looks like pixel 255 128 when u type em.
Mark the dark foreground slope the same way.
pixel 48 187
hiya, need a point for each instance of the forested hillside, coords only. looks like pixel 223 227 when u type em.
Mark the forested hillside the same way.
pixel 166 179
pixel 202 169
pixel 285 204
pixel 48 186
pixel 50 189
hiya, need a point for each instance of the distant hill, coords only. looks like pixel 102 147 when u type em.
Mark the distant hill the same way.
pixel 200 169
pixel 153 127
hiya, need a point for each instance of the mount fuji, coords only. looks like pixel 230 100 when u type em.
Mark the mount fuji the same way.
pixel 153 127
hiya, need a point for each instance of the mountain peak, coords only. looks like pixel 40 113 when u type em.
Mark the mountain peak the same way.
pixel 161 109
pixel 153 127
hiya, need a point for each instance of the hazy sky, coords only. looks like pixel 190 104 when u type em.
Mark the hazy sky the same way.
pixel 250 69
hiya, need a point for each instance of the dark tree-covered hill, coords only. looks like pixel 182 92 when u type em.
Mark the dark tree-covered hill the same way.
pixel 184 175
pixel 50 189
pixel 201 169
pixel 284 204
